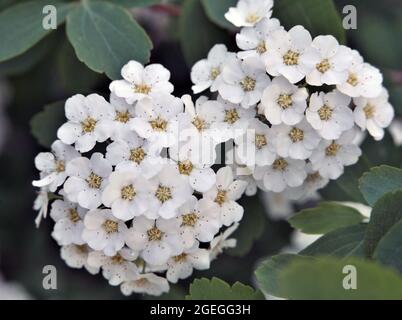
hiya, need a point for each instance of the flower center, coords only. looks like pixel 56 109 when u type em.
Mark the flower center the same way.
pixel 323 66
pixel 313 177
pixel 142 88
pixel 260 141
pixel 199 123
pixel 88 125
pixel 189 219
pixel 296 135
pixel 163 193
pixel 123 117
pixel 60 166
pixel 94 181
pixel 81 249
pixel 280 164
pixel 220 197
pixel 214 73
pixel 185 167
pixel 117 259
pixel 154 234
pixel 180 257
pixel 141 282
pixel 248 84
pixel 252 18
pixel 110 226
pixel 137 155
pixel 325 113
pixel 261 48
pixel 158 124
pixel 332 149
pixel 291 58
pixel 285 100
pixel 369 111
pixel 353 80
pixel 231 116
pixel 128 192
pixel 73 215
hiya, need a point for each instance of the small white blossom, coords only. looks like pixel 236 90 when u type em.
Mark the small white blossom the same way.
pixel 41 204
pixel 396 131
pixel 148 283
pixel 222 242
pixel 90 120
pixel 374 114
pixel 76 256
pixel 248 12
pixel 139 82
pixel 123 113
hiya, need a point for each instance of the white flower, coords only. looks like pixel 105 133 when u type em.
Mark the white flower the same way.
pixel 248 12
pixel 253 40
pixel 329 114
pixel 256 147
pixel 118 268
pixel 87 179
pixel 288 53
pixel 396 131
pixel 139 82
pixel 363 79
pixel 296 142
pixel 330 157
pixel 222 242
pixel 207 72
pixel 276 205
pixel 225 193
pixel 330 61
pixel 127 194
pixel 89 121
pixel 148 283
pixel 282 173
pixel 53 164
pixel 69 222
pixel 182 265
pixel 374 114
pixel 154 239
pixel 244 81
pixel 197 220
pixel 132 152
pixel 103 232
pixel 283 102
pixel 76 257
pixel 123 113
pixel 41 204
pixel 157 119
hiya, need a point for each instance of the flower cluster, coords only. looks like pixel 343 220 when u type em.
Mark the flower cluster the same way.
pixel 304 102
pixel 134 192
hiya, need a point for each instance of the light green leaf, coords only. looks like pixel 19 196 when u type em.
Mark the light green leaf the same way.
pixel 326 217
pixel 320 17
pixel 197 34
pixel 217 289
pixel 21 26
pixel 378 181
pixel 216 10
pixel 44 124
pixel 135 3
pixel 386 212
pixel 105 37
pixel 389 249
pixel 342 242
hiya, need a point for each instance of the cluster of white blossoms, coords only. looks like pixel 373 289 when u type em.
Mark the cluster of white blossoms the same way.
pixel 134 192
pixel 304 102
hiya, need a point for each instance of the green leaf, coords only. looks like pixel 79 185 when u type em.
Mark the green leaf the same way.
pixel 135 3
pixel 378 181
pixel 326 217
pixel 268 271
pixel 105 37
pixel 386 212
pixel 251 228
pixel 197 34
pixel 389 249
pixel 44 124
pixel 21 26
pixel 322 279
pixel 320 17
pixel 217 289
pixel 216 10
pixel 342 242
pixel 69 66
